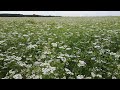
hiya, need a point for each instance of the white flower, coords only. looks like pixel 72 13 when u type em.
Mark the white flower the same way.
pixel 90 52
pixel 21 63
pixel 97 46
pixel 52 69
pixel 32 76
pixel 43 56
pixel 62 47
pixel 88 77
pixel 65 46
pixel 96 36
pixel 7 77
pixel 1 58
pixel 25 35
pixel 15 32
pixel 58 27
pixel 18 58
pixel 17 76
pixel 37 63
pixel 30 56
pixel 45 71
pixel 1 54
pixel 12 72
pixel 94 43
pixel 68 48
pixel 98 75
pixel 68 71
pixel 21 44
pixel 112 53
pixel 114 77
pixel 63 77
pixel 67 55
pixel 63 59
pixel 31 46
pixel 2 42
pixel 93 58
pixel 44 64
pixel 36 77
pixel 11 57
pixel 81 63
pixel 80 77
pixel 40 77
pixel 28 65
pixel 50 61
pixel 93 75
pixel 118 66
pixel 117 56
pixel 54 44
pixel 48 70
pixel 47 52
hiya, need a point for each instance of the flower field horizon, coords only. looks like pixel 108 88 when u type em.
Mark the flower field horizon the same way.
pixel 60 47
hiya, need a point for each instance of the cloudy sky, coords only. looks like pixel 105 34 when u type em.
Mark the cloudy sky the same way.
pixel 67 13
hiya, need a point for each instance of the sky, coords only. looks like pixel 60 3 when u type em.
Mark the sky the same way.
pixel 67 13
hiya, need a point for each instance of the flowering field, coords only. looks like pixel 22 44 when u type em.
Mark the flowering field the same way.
pixel 60 48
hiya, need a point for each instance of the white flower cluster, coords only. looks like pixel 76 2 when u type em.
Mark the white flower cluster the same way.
pixel 17 76
pixel 68 71
pixel 13 58
pixel 54 44
pixel 81 63
pixel 31 46
pixel 80 77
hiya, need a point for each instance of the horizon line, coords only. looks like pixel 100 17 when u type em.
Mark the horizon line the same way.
pixel 64 15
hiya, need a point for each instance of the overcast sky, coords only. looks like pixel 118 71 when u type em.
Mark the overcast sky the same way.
pixel 67 13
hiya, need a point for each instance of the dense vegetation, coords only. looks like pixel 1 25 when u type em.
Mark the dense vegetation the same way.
pixel 60 48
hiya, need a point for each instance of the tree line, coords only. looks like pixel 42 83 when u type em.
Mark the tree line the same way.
pixel 21 15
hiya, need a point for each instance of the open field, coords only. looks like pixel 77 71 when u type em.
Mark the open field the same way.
pixel 60 48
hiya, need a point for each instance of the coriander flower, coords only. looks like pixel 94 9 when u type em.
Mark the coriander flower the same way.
pixel 25 35
pixel 93 58
pixel 31 46
pixel 98 75
pixel 112 53
pixel 18 58
pixel 68 71
pixel 43 56
pixel 17 76
pixel 37 63
pixel 11 72
pixel 114 77
pixel 90 52
pixel 93 75
pixel 48 70
pixel 81 63
pixel 80 77
pixel 88 77
pixel 68 48
pixel 54 44
pixel 98 47
pixel 36 77
pixel 2 42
